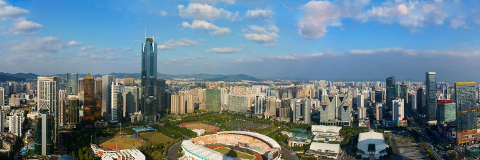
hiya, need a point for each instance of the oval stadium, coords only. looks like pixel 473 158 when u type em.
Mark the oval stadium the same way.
pixel 231 145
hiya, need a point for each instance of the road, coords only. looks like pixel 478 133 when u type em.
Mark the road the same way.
pixel 427 140
pixel 173 151
pixel 288 154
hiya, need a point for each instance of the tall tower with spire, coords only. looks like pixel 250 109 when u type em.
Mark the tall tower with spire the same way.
pixel 149 100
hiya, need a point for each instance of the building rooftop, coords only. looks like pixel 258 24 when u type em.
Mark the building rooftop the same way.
pixel 323 128
pixel 323 147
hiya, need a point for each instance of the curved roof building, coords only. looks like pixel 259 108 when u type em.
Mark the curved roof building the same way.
pixel 371 144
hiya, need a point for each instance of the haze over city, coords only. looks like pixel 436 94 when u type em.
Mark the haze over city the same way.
pixel 337 40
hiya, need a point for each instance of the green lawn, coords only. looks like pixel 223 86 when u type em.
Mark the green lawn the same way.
pixel 233 123
pixel 155 137
pixel 232 153
pixel 123 143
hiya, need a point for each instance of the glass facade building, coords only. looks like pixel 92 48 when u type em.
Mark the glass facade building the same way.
pixel 213 98
pixel 73 107
pixel 391 91
pixel 446 111
pixel 72 84
pixel 43 134
pixel 431 95
pixel 88 99
pixel 466 112
pixel 149 82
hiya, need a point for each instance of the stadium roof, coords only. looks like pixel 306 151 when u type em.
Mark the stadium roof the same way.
pixel 267 139
pixel 203 152
pixel 371 141
pixel 323 128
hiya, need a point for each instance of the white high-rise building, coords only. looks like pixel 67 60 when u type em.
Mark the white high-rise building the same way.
pixel 362 113
pixel 360 101
pixel 397 110
pixel 106 95
pixel 259 104
pixel 116 101
pixel 15 126
pixel 48 98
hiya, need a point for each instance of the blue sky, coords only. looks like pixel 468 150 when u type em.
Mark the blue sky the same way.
pixel 338 39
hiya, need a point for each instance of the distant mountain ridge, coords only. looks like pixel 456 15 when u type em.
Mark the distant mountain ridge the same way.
pixel 201 76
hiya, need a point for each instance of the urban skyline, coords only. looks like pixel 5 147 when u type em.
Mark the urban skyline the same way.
pixel 360 39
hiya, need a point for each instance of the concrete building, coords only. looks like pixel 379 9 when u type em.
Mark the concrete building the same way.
pixel 371 145
pixel 270 104
pixel 213 100
pixel 379 111
pixel 2 96
pixel 259 105
pixel 15 125
pixel 129 82
pixel 189 98
pixel 47 94
pixel 398 107
pixel 326 133
pixel 238 103
pixel 307 108
pixel 2 121
pixel 325 150
pixel 175 103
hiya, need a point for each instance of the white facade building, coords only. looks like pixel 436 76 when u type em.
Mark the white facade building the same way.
pixel 371 144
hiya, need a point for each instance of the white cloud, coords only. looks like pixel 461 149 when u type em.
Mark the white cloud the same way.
pixel 312 30
pixel 128 49
pixel 8 12
pixel 24 27
pixel 160 13
pixel 199 24
pixel 293 56
pixel 224 50
pixel 213 1
pixel 87 48
pixel 37 44
pixel 74 43
pixel 259 13
pixel 261 35
pixel 171 44
pixel 107 49
pixel 205 12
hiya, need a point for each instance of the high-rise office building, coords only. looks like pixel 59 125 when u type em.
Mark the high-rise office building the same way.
pixel 259 105
pixel 398 110
pixel 117 103
pixel 2 121
pixel 149 82
pixel 391 91
pixel 307 116
pixel 213 100
pixel 270 103
pixel 466 110
pixel 421 98
pixel 72 84
pixel 2 96
pixel 130 100
pixel 404 92
pixel 44 142
pixel 80 88
pixel 98 88
pixel 295 104
pixel 61 107
pixel 15 125
pixel 47 93
pixel 446 111
pixel 73 108
pixel 107 81
pixel 378 111
pixel 88 99
pixel 431 96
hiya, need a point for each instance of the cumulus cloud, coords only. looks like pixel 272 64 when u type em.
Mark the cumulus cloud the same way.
pixel 37 44
pixel 263 36
pixel 224 50
pixel 160 13
pixel 200 24
pixel 9 12
pixel 74 43
pixel 412 15
pixel 87 48
pixel 24 27
pixel 213 1
pixel 205 12
pixel 172 44
pixel 259 13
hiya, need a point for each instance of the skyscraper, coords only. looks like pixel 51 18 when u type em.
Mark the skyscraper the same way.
pixel 44 142
pixel 2 121
pixel 106 95
pixel 149 83
pixel 213 100
pixel 431 95
pixel 307 109
pixel 2 96
pixel 73 107
pixel 446 111
pixel 88 99
pixel 130 100
pixel 72 84
pixel 270 103
pixel 391 92
pixel 117 103
pixel 421 101
pixel 190 102
pixel 466 110
pixel 259 105
pixel 15 126
pixel 398 109
pixel 47 93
